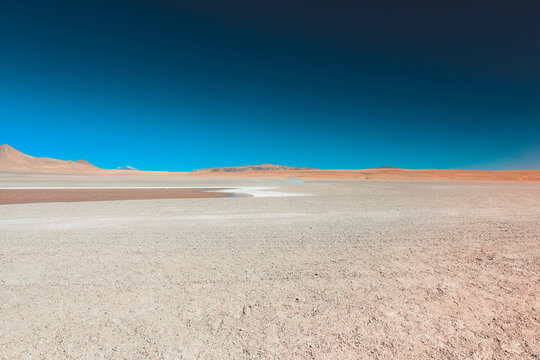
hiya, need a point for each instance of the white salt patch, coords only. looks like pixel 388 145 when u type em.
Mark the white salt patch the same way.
pixel 261 191
pixel 255 191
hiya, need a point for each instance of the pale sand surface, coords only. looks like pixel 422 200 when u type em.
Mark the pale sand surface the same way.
pixel 358 270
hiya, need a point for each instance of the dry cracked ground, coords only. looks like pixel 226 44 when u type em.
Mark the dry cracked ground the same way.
pixel 356 270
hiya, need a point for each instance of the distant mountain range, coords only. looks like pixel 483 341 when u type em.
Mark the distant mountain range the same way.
pixel 251 168
pixel 12 160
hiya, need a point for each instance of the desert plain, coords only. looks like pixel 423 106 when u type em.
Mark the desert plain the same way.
pixel 344 269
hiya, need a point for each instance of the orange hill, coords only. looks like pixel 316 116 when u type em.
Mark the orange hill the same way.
pixel 14 160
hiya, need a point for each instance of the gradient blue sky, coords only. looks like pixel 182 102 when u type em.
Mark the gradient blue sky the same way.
pixel 171 85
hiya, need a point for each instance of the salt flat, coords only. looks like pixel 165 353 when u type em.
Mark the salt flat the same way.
pixel 358 269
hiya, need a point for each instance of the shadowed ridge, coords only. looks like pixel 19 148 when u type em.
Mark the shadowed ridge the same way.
pixel 84 162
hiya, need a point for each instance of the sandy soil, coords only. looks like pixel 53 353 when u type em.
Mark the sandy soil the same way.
pixel 27 196
pixel 358 270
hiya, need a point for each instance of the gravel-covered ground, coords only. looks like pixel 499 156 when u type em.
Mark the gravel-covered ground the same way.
pixel 359 270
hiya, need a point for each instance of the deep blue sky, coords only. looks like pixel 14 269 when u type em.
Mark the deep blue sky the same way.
pixel 173 85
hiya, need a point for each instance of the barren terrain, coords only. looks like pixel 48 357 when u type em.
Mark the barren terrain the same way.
pixel 369 269
pixel 14 161
pixel 27 196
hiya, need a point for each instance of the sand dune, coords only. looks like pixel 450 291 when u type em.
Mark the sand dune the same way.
pixel 12 160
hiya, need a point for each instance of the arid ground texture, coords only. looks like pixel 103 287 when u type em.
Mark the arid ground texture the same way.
pixel 355 269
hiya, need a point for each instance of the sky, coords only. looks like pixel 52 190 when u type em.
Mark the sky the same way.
pixel 179 85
